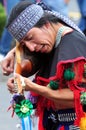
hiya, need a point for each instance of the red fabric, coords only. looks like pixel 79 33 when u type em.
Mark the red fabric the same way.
pixel 73 85
pixel 62 128
pixel 78 107
pixel 60 71
pixel 40 125
pixel 34 94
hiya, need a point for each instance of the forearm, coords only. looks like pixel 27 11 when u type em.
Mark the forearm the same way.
pixel 61 97
pixel 11 52
pixel 7 63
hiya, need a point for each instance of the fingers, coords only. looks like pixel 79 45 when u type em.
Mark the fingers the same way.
pixel 12 65
pixel 13 84
pixel 7 67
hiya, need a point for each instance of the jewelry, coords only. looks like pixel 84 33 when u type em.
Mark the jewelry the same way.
pixel 59 34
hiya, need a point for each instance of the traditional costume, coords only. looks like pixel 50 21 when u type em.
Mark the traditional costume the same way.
pixel 64 66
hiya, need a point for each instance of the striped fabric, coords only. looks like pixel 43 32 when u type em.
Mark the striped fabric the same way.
pixel 72 127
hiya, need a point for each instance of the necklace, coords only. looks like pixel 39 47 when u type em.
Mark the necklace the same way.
pixel 59 34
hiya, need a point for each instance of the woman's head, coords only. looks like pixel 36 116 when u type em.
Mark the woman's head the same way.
pixel 26 24
pixel 25 16
pixel 29 22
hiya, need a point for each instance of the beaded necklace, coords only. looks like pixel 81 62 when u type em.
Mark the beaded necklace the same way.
pixel 59 34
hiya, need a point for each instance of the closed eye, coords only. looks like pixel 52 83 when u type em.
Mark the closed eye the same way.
pixel 28 38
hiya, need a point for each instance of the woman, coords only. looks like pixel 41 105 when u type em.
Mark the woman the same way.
pixel 62 45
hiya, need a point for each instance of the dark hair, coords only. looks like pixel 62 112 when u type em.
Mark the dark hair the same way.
pixel 48 18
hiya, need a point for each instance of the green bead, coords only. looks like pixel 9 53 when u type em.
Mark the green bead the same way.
pixel 69 74
pixel 54 85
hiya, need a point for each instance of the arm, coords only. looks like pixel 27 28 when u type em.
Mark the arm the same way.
pixel 63 98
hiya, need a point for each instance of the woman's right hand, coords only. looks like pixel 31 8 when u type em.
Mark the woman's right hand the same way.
pixel 7 64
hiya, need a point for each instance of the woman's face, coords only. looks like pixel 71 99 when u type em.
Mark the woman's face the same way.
pixel 39 40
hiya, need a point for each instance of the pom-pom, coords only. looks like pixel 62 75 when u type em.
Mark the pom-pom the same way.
pixel 69 74
pixel 54 85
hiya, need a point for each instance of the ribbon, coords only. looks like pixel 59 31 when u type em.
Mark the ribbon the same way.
pixel 26 123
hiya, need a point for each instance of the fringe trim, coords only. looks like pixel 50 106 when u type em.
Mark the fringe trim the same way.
pixel 40 125
pixel 73 85
pixel 78 107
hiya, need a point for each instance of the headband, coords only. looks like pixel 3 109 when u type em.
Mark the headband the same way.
pixel 25 21
pixel 30 16
pixel 65 19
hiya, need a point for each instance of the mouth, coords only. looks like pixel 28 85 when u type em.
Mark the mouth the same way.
pixel 44 49
pixel 39 48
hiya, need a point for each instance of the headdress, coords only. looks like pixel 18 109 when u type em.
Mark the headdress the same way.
pixel 28 18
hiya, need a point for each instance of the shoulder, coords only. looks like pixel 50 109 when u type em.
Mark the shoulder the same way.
pixel 75 36
pixel 72 45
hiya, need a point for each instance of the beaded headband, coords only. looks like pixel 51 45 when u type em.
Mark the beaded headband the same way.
pixel 30 16
pixel 25 21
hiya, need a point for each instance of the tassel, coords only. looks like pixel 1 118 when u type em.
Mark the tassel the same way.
pixel 40 123
pixel 83 123
pixel 26 123
pixel 83 119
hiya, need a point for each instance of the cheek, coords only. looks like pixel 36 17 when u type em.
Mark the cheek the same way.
pixel 43 39
pixel 39 35
pixel 38 39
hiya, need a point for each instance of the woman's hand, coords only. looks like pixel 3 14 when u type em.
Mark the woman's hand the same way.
pixel 7 63
pixel 15 81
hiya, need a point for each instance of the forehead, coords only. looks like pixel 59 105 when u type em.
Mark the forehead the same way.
pixel 32 31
